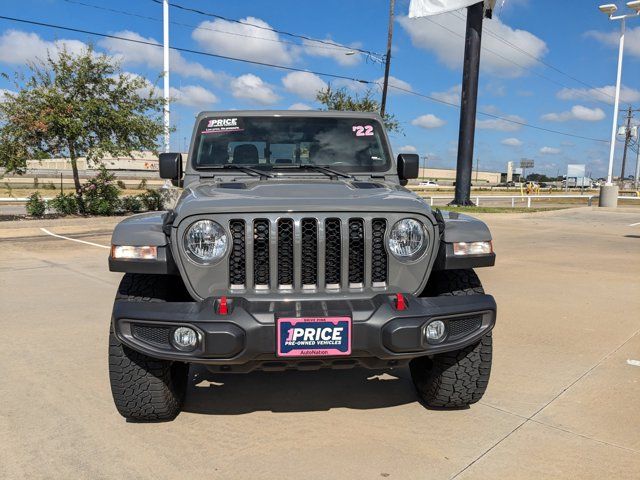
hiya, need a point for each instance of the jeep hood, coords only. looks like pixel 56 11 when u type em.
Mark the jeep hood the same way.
pixel 292 195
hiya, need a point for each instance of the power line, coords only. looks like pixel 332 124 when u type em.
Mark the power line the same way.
pixel 534 57
pixel 184 50
pixel 549 79
pixel 283 67
pixel 199 27
pixel 497 117
pixel 271 29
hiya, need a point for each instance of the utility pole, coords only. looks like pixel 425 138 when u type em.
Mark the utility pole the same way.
pixel 165 24
pixel 627 138
pixel 468 106
pixel 387 63
pixel 635 178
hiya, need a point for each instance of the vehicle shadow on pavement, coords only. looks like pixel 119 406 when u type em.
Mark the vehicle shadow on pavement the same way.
pixel 294 391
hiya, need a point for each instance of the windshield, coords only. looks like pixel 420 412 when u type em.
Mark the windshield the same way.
pixel 352 144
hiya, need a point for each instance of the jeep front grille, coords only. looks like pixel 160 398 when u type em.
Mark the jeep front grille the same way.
pixel 308 253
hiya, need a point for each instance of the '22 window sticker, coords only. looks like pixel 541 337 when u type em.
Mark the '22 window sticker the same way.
pixel 362 130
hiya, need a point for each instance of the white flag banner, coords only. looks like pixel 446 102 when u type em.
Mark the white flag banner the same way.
pixel 426 8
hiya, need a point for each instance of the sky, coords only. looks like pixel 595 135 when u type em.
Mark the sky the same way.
pixel 544 63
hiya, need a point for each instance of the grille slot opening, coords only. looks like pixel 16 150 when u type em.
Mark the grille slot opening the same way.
pixel 379 259
pixel 356 252
pixel 261 253
pixel 237 267
pixel 333 252
pixel 309 260
pixel 285 253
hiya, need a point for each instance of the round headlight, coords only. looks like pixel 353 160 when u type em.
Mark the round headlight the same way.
pixel 408 239
pixel 205 241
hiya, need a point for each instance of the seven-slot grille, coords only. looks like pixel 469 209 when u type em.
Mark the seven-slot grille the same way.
pixel 308 253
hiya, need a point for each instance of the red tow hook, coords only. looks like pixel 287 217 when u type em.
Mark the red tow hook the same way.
pixel 401 302
pixel 223 308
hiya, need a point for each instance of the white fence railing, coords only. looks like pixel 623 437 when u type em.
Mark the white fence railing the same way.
pixel 528 198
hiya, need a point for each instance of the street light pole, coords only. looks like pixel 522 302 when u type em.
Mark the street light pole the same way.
pixel 616 104
pixel 609 191
pixel 165 22
pixel 387 63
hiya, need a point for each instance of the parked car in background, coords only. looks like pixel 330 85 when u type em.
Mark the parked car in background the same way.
pixel 428 184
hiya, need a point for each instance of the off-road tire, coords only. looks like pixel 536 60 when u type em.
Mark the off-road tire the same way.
pixel 459 378
pixel 144 388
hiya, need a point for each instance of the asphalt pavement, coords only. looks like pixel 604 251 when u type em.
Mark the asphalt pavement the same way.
pixel 563 400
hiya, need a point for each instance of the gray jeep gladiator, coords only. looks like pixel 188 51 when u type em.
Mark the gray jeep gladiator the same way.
pixel 295 245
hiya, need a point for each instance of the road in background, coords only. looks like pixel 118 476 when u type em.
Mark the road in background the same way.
pixel 562 401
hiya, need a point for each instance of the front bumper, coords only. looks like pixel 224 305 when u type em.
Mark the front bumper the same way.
pixel 245 338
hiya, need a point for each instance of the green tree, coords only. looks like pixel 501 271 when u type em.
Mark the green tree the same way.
pixel 77 105
pixel 341 99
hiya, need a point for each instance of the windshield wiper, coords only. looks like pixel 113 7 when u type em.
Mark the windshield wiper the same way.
pixel 241 168
pixel 318 168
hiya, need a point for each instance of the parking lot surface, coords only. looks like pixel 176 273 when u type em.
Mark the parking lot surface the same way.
pixel 562 401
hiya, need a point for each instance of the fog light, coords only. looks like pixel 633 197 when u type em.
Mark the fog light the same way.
pixel 434 332
pixel 185 338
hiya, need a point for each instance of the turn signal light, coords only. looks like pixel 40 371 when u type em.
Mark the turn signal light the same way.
pixel 129 252
pixel 472 248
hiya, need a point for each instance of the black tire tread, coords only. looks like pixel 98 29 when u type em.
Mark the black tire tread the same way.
pixel 144 388
pixel 459 378
pixel 454 379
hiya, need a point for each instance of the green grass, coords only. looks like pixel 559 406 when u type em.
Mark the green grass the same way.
pixel 497 209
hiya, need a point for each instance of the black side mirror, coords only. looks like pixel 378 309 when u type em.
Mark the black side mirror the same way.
pixel 408 167
pixel 171 166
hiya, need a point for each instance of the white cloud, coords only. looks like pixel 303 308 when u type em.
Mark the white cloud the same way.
pixel 304 84
pixel 300 106
pixel 451 95
pixel 337 52
pixel 435 34
pixel 601 94
pixel 395 82
pixel 502 125
pixel 612 39
pixel 428 121
pixel 577 112
pixel 243 41
pixel 193 96
pixel 407 149
pixel 138 54
pixel 550 151
pixel 512 142
pixel 253 88
pixel 18 47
